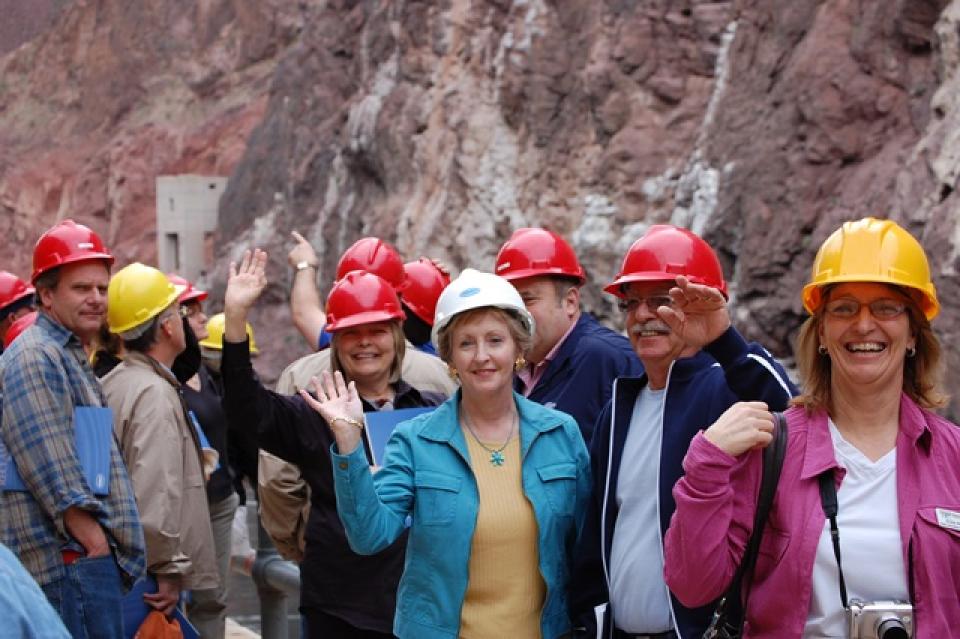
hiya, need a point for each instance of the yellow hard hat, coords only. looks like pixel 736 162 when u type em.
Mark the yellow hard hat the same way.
pixel 214 338
pixel 137 293
pixel 872 250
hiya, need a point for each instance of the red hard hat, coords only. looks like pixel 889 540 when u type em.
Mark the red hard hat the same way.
pixel 535 251
pixel 425 282
pixel 361 298
pixel 189 294
pixel 21 324
pixel 13 289
pixel 373 255
pixel 663 253
pixel 67 243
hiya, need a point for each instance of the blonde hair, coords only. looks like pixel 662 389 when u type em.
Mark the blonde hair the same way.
pixel 521 337
pixel 922 373
pixel 396 366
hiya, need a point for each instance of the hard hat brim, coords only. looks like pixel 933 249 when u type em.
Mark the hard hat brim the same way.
pixel 813 300
pixel 520 274
pixel 366 317
pixel 89 257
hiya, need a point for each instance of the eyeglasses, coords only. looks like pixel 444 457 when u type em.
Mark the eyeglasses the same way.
pixel 882 309
pixel 653 302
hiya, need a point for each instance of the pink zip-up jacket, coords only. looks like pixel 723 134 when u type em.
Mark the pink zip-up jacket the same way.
pixel 716 501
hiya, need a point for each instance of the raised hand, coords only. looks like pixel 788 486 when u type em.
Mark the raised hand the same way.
pixel 339 405
pixel 246 281
pixel 742 427
pixel 301 252
pixel 699 313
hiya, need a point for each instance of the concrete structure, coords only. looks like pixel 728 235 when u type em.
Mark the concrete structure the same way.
pixel 186 220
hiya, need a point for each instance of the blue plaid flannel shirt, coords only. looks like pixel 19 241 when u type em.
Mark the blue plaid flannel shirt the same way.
pixel 43 376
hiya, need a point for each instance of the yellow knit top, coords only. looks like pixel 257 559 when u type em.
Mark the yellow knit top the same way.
pixel 505 591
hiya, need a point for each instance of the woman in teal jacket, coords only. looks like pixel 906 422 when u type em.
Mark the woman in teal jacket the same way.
pixel 494 486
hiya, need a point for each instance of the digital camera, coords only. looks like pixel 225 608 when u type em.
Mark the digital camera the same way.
pixel 879 619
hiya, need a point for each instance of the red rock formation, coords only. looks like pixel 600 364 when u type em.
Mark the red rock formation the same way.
pixel 115 93
pixel 443 126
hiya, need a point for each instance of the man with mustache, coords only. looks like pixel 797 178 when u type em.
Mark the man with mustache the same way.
pixel 574 360
pixel 673 297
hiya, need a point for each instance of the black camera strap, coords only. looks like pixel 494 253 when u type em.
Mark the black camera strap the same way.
pixel 730 614
pixel 828 498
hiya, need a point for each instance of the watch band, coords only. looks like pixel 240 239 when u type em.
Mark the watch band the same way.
pixel 304 264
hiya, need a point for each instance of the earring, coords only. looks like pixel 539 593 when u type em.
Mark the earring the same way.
pixel 822 349
pixel 519 364
pixel 452 372
pixel 912 351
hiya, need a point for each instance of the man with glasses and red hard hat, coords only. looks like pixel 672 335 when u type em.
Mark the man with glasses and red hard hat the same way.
pixel 574 359
pixel 696 365
pixel 16 299
pixel 84 548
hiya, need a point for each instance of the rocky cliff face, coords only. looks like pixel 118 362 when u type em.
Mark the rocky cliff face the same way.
pixel 106 95
pixel 442 126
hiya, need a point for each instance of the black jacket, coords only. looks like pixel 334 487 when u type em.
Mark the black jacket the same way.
pixel 699 389
pixel 359 589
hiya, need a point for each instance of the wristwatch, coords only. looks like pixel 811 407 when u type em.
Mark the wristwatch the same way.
pixel 304 264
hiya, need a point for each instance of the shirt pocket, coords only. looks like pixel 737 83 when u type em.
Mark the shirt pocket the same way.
pixel 936 549
pixel 436 497
pixel 559 482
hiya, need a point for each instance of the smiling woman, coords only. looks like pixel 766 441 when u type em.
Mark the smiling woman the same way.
pixel 864 449
pixel 343 594
pixel 495 485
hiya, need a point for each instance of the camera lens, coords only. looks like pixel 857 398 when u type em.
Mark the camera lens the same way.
pixel 892 628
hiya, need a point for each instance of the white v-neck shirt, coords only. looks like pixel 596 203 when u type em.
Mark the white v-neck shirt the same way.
pixel 870 541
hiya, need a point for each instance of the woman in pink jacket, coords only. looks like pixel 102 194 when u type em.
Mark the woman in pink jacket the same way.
pixel 870 364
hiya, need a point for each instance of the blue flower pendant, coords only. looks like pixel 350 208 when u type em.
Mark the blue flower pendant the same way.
pixel 496 458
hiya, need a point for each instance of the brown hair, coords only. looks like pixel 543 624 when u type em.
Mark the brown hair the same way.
pixel 922 373
pixel 396 366
pixel 520 336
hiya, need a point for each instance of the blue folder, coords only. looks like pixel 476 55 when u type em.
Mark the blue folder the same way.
pixel 380 425
pixel 93 429
pixel 135 610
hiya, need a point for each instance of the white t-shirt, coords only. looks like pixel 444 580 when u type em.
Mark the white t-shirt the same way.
pixel 638 593
pixel 870 542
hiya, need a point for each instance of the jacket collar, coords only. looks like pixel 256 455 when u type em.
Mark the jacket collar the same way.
pixel 141 360
pixel 443 424
pixel 820 456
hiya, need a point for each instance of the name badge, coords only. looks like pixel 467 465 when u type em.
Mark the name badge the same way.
pixel 948 519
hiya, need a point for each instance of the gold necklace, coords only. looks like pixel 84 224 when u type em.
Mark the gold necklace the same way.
pixel 496 454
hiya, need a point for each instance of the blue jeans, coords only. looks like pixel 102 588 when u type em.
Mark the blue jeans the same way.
pixel 88 598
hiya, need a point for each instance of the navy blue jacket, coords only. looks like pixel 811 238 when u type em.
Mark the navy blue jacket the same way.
pixel 579 379
pixel 699 389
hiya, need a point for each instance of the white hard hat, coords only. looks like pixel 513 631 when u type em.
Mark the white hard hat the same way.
pixel 475 289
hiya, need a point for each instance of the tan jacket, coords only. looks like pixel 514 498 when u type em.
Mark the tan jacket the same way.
pixel 284 495
pixel 163 459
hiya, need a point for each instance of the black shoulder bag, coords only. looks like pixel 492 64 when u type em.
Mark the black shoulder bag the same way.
pixel 728 619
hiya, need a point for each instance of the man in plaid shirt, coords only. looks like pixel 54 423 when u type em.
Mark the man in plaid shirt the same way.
pixel 84 550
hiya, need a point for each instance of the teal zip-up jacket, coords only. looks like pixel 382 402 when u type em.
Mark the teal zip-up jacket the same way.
pixel 426 475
